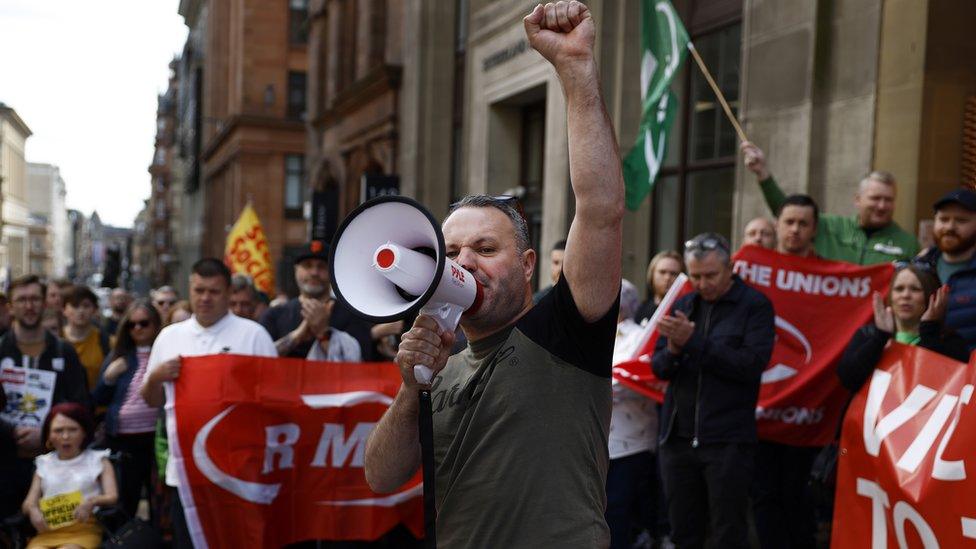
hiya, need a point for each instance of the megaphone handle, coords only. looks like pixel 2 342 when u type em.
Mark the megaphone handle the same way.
pixel 447 316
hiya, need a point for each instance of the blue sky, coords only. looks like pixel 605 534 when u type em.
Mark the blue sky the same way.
pixel 84 75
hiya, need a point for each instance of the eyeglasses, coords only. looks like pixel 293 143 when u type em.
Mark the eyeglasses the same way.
pixel 28 299
pixel 139 324
pixel 162 302
pixel 707 243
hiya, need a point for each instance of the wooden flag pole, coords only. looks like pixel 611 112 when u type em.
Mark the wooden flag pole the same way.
pixel 718 92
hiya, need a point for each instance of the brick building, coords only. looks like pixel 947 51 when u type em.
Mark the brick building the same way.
pixel 252 133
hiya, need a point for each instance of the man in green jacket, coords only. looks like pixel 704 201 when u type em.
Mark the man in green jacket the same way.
pixel 870 236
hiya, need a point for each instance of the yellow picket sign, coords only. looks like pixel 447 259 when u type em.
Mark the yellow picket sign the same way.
pixel 59 510
pixel 247 251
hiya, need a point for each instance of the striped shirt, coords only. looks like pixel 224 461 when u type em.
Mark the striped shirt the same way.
pixel 136 416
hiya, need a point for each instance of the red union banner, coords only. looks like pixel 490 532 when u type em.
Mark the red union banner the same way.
pixel 819 305
pixel 903 477
pixel 270 451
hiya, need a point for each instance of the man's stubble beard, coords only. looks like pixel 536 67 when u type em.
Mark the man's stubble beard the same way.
pixel 506 303
pixel 314 291
pixel 963 243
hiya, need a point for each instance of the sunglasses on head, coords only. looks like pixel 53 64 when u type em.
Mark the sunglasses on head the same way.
pixel 706 244
pixel 139 324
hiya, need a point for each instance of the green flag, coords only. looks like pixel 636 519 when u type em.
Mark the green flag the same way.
pixel 664 41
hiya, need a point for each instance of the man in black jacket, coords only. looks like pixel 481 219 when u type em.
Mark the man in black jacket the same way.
pixel 28 345
pixel 312 315
pixel 712 350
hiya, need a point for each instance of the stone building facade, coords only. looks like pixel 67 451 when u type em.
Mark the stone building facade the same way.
pixel 14 213
pixel 831 91
pixel 50 232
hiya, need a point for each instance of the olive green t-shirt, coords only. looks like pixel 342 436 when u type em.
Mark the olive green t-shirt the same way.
pixel 520 432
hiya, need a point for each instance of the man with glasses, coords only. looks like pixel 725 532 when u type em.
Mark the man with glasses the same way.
pixel 163 298
pixel 521 416
pixel 954 259
pixel 870 236
pixel 28 345
pixel 713 348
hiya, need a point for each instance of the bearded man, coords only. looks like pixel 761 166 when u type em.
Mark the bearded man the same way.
pixel 521 416
pixel 953 258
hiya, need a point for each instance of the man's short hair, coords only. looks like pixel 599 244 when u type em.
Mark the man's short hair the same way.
pixel 76 295
pixel 506 205
pixel 803 201
pixel 885 178
pixel 26 280
pixel 210 267
pixel 242 282
pixel 700 246
pixel 561 245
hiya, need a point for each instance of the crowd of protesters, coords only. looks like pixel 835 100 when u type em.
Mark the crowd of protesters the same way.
pixel 680 474
pixel 721 484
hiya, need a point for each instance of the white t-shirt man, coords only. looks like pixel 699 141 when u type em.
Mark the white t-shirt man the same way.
pixel 231 335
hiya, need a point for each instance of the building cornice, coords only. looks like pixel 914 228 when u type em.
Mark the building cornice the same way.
pixel 15 120
pixel 241 121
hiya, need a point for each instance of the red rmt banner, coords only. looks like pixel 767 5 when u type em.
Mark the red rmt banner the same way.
pixel 905 469
pixel 270 451
pixel 819 305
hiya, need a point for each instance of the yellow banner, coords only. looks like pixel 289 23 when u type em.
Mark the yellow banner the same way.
pixel 59 510
pixel 247 251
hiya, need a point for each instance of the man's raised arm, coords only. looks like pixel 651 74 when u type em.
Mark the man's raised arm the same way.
pixel 563 32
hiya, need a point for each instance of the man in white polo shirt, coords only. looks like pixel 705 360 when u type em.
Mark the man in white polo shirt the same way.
pixel 211 330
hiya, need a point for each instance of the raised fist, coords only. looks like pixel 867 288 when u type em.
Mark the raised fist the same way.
pixel 562 32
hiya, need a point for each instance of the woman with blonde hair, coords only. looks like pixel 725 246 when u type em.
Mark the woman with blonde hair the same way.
pixel 662 271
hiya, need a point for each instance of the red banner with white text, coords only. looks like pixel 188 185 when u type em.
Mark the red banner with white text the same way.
pixel 819 305
pixel 270 451
pixel 906 476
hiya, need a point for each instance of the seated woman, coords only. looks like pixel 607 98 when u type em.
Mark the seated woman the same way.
pixel 70 467
pixel 913 317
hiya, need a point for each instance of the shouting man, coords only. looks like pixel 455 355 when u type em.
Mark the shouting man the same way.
pixel 521 416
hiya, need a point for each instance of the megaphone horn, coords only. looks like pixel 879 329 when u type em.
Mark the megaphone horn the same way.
pixel 388 261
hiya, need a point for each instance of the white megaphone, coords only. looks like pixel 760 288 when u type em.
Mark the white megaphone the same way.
pixel 388 262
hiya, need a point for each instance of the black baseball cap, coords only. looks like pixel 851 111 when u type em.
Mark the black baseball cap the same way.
pixel 315 249
pixel 964 197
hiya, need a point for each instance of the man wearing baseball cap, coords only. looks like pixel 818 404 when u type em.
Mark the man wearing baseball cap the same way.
pixel 314 314
pixel 953 258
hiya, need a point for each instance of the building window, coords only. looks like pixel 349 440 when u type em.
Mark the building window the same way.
pixel 694 190
pixel 297 22
pixel 294 177
pixel 531 169
pixel 296 95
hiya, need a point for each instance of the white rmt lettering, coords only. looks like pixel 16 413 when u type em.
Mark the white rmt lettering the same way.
pixel 334 437
pixel 875 431
pixel 952 470
pixel 279 440
pixel 904 512
pixel 879 502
